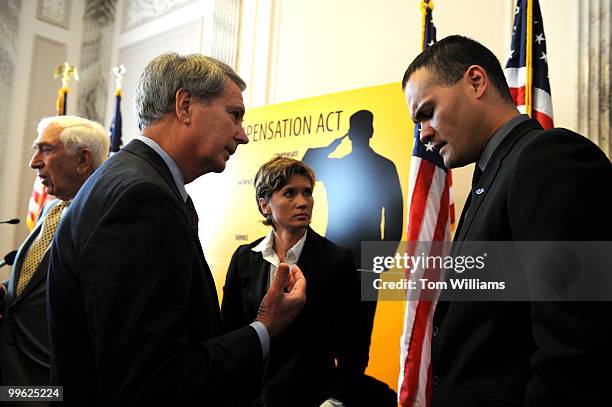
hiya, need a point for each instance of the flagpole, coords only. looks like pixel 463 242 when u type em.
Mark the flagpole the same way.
pixel 66 72
pixel 116 124
pixel 529 59
pixel 425 4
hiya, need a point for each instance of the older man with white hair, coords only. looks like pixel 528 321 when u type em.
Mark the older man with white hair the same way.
pixel 67 150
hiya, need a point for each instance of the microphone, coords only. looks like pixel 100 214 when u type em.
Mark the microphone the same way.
pixel 11 222
pixel 9 259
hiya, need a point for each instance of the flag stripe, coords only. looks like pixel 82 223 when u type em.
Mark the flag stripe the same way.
pixel 410 386
pixel 442 223
pixel 420 196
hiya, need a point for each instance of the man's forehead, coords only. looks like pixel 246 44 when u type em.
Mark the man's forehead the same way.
pixel 49 135
pixel 420 87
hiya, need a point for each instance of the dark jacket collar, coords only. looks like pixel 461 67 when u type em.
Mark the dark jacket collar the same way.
pixel 145 152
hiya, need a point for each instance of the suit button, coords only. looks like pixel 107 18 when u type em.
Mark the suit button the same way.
pixel 435 381
pixel 436 331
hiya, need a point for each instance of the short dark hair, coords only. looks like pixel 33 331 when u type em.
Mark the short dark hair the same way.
pixel 274 175
pixel 449 58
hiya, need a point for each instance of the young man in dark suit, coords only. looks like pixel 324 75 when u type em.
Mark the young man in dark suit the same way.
pixel 133 309
pixel 67 150
pixel 528 186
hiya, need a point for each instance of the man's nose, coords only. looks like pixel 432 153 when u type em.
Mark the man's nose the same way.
pixel 426 133
pixel 35 161
pixel 241 137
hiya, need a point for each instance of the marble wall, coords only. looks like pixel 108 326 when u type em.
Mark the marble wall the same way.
pixel 138 12
pixel 595 72
pixel 9 25
pixel 95 69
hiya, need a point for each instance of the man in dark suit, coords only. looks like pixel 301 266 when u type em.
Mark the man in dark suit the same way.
pixel 528 186
pixel 67 150
pixel 133 311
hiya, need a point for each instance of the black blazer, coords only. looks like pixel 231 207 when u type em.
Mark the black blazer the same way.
pixel 24 336
pixel 301 367
pixel 538 186
pixel 133 311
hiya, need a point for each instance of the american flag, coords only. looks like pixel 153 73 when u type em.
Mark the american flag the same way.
pixel 116 124
pixel 36 203
pixel 431 213
pixel 527 66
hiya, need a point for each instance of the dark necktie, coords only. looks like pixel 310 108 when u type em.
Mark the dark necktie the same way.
pixel 466 208
pixel 192 212
pixel 476 176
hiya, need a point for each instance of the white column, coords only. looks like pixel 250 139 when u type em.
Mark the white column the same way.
pixel 594 72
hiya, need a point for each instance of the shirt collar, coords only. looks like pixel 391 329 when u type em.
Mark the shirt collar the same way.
pixel 177 175
pixel 266 248
pixel 497 138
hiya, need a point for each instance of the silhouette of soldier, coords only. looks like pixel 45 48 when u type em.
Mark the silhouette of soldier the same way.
pixel 363 194
pixel 363 189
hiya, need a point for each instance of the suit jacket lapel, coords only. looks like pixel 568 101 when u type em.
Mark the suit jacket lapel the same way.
pixel 312 254
pixel 480 190
pixel 41 271
pixel 260 270
pixel 145 152
pixel 19 259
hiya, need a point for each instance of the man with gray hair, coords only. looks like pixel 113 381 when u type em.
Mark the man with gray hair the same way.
pixel 67 150
pixel 133 308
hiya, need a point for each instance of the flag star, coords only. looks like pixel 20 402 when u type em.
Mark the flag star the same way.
pixel 511 53
pixel 429 146
pixel 536 22
pixel 514 28
pixel 540 38
pixel 432 42
pixel 544 57
pixel 517 10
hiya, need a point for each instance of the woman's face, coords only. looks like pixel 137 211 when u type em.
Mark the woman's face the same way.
pixel 291 206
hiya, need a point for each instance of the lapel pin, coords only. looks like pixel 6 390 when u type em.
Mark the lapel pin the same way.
pixel 479 191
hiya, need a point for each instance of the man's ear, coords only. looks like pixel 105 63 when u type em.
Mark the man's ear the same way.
pixel 84 161
pixel 184 99
pixel 478 79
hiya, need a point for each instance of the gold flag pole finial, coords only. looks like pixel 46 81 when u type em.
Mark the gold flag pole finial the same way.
pixel 66 72
pixel 119 72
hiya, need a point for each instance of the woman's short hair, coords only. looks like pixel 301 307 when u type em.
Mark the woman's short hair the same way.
pixel 274 175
